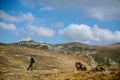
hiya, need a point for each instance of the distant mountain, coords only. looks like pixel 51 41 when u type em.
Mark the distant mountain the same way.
pixel 67 48
pixel 107 55
pixel 93 55
pixel 28 42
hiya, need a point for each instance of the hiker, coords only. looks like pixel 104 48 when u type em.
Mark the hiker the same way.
pixel 31 63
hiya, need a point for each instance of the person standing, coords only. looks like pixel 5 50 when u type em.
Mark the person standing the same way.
pixel 32 61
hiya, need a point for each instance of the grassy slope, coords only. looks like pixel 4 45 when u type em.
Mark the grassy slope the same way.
pixel 48 66
pixel 107 53
pixel 18 56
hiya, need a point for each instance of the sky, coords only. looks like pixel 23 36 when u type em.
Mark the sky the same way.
pixel 93 22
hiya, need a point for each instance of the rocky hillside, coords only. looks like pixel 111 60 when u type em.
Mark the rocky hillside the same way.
pixel 93 55
pixel 108 54
pixel 53 62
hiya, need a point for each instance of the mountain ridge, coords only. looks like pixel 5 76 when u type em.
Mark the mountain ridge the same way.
pixel 94 53
pixel 58 61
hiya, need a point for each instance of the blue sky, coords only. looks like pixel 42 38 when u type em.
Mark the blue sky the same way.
pixel 60 21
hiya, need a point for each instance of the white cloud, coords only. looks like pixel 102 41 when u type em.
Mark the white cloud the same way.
pixel 85 33
pixel 19 18
pixel 7 26
pixel 58 25
pixel 48 8
pixel 99 9
pixel 31 3
pixel 103 13
pixel 42 31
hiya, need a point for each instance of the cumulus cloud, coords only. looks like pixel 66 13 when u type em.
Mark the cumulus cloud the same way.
pixel 19 18
pixel 99 9
pixel 85 33
pixel 7 26
pixel 42 31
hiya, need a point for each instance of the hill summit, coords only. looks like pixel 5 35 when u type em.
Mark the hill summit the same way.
pixel 27 39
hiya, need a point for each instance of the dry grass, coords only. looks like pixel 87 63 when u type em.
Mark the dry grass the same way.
pixel 14 61
pixel 20 74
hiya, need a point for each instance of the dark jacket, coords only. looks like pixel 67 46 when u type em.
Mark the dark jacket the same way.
pixel 32 60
